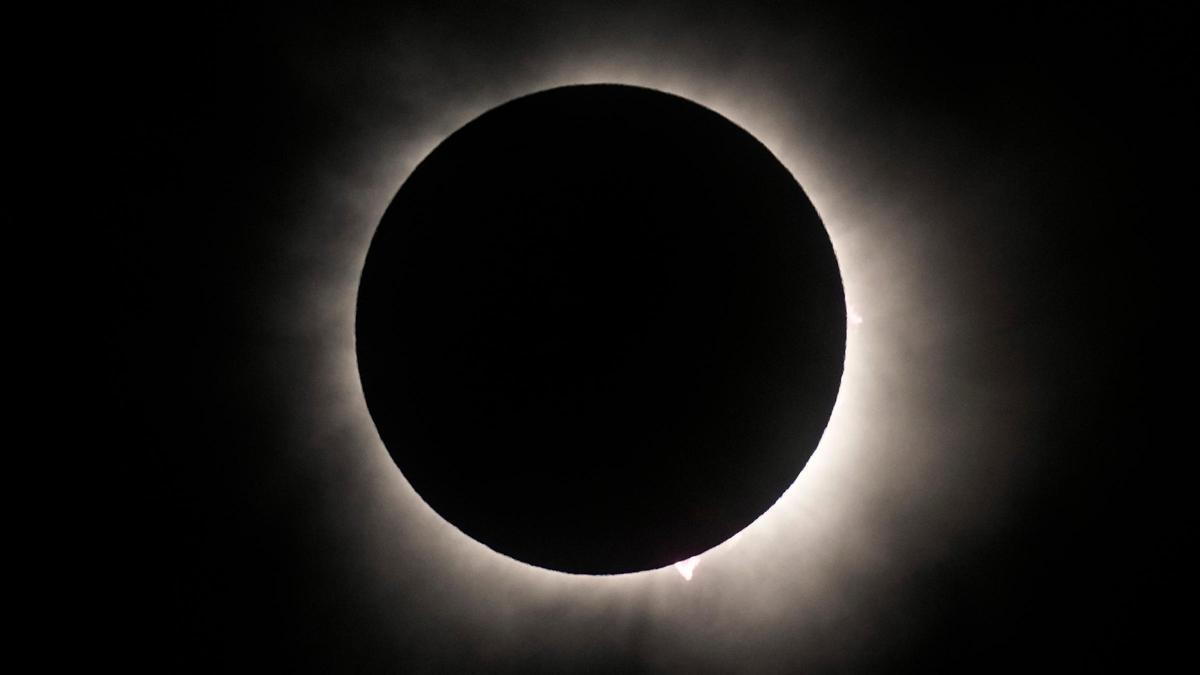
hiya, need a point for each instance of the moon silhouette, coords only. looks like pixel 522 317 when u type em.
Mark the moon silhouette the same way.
pixel 600 329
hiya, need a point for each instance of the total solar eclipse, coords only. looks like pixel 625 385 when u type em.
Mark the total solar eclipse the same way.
pixel 600 329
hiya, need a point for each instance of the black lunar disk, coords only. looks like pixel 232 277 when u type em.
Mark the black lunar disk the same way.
pixel 600 329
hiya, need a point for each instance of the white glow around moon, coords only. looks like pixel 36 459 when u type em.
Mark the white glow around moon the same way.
pixel 832 453
pixel 881 495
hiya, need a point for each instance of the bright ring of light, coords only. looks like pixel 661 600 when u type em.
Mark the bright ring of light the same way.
pixel 825 545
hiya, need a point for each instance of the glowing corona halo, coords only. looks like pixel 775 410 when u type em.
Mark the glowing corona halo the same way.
pixel 872 505
pixel 601 329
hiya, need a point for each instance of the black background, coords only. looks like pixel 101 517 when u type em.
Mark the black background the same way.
pixel 213 562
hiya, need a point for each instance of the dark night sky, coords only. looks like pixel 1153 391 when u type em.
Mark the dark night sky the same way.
pixel 987 180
